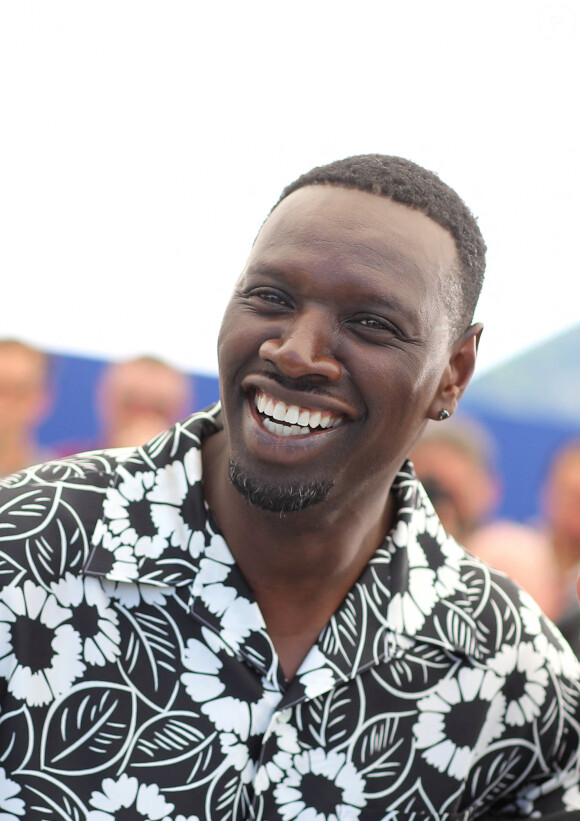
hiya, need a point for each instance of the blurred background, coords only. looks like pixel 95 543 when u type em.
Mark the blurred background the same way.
pixel 143 143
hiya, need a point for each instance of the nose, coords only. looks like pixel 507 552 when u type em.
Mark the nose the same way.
pixel 304 348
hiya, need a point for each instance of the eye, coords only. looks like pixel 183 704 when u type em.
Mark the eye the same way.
pixel 273 297
pixel 261 298
pixel 376 325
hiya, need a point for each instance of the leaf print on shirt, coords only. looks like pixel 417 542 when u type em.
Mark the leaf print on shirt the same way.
pixel 89 729
pixel 39 652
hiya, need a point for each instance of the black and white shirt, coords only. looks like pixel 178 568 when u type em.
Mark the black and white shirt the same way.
pixel 139 681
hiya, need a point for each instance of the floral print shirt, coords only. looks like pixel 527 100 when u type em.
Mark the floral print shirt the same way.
pixel 139 681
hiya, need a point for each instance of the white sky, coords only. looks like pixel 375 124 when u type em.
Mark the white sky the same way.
pixel 142 143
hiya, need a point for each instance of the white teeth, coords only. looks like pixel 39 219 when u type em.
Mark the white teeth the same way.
pixel 279 411
pixel 315 419
pixel 299 422
pixel 292 414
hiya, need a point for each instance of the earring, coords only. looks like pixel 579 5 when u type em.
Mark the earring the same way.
pixel 444 415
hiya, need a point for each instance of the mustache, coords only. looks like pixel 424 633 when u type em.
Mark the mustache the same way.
pixel 303 384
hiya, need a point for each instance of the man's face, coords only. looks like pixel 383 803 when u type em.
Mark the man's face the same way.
pixel 333 345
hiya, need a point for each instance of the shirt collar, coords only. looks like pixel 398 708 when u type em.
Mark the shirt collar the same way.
pixel 156 529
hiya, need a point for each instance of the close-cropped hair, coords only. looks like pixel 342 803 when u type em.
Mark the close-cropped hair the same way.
pixel 410 184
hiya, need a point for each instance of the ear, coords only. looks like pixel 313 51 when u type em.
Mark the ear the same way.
pixel 457 373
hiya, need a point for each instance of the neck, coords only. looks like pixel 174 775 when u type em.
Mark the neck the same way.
pixel 300 566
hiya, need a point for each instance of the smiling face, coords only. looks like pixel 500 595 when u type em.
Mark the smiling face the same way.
pixel 334 346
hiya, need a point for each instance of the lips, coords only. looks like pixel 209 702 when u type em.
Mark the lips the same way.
pixel 293 420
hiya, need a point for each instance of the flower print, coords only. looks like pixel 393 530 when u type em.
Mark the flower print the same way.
pixel 315 674
pixel 526 669
pixel 548 641
pixel 238 615
pixel 244 713
pixel 39 652
pixel 320 786
pixel 124 794
pixel 10 806
pixel 123 562
pixel 170 501
pixel 571 798
pixel 131 595
pixel 445 729
pixel 127 515
pixel 286 735
pixel 95 619
pixel 408 609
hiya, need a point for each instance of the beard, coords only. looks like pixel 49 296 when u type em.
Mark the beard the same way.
pixel 277 498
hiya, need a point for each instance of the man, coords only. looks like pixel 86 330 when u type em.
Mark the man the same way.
pixel 454 462
pixel 259 616
pixel 24 403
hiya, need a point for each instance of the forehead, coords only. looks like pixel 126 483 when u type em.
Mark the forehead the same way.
pixel 21 363
pixel 348 224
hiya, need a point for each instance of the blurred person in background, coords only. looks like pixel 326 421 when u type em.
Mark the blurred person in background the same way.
pixel 525 555
pixel 25 399
pixel 139 398
pixel 455 463
pixel 561 508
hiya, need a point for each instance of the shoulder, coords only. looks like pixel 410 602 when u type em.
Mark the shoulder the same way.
pixel 48 513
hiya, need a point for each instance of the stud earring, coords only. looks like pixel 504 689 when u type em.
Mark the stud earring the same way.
pixel 444 415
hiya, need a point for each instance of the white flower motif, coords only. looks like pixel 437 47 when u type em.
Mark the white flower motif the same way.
pixel 170 493
pixel 99 633
pixel 548 641
pixel 39 652
pixel 407 610
pixel 144 800
pixel 227 712
pixel 443 727
pixel 124 567
pixel 286 735
pixel 525 663
pixel 125 508
pixel 315 674
pixel 238 616
pixel 10 806
pixel 131 595
pixel 320 786
pixel 571 798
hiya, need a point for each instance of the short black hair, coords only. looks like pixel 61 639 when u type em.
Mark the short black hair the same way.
pixel 406 182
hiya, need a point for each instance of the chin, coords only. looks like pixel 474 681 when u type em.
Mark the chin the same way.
pixel 277 497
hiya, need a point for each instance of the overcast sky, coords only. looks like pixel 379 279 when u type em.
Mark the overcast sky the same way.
pixel 142 143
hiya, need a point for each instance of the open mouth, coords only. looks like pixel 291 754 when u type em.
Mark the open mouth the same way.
pixel 293 420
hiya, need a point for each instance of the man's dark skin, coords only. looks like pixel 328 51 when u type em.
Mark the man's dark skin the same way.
pixel 340 308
